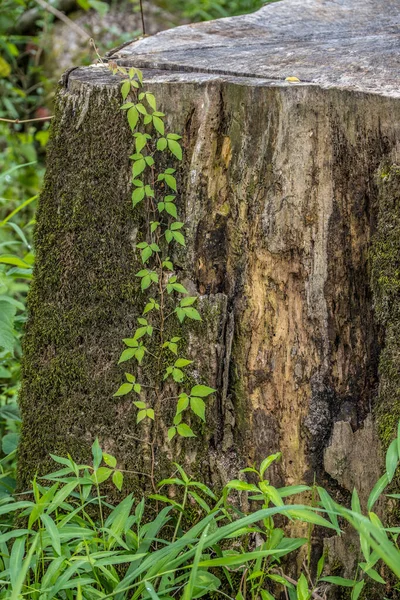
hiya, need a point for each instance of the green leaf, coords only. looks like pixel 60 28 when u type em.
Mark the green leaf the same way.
pixel 118 479
pixel 174 136
pixel 339 581
pixel 202 390
pixel 127 355
pixel 124 389
pixel 137 195
pixel 138 167
pixel 140 108
pixel 392 459
pixel 151 100
pixel 198 407
pixel 161 144
pixel 110 460
pixel 141 415
pixel 130 378
pixel 241 486
pixel 158 125
pixel 100 475
pixel 125 89
pixel 171 209
pixel 268 461
pixel 184 430
pixel 183 403
pixel 171 182
pixel 357 590
pixel 133 117
pixel 139 404
pixel 7 335
pixel 182 362
pixel 96 453
pixel 377 491
pixel 9 442
pixel 53 532
pixel 175 148
pixel 302 588
pixel 150 413
pixel 171 433
pixel 188 301
pixel 192 313
pixel 178 237
pixel 146 254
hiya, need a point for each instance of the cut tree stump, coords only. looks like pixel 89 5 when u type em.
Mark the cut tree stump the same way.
pixel 285 190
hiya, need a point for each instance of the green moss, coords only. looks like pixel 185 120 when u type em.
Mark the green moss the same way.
pixel 386 292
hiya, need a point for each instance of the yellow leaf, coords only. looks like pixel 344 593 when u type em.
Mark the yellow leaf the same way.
pixel 5 68
pixel 292 79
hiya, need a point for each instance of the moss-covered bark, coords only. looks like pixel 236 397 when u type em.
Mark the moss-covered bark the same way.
pixel 385 254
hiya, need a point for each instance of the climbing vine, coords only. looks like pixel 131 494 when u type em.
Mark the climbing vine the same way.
pixel 167 298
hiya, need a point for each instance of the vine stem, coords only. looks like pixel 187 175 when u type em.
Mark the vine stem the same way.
pixel 16 121
pixel 142 16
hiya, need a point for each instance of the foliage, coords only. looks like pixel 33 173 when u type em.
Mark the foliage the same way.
pixel 167 298
pixel 204 10
pixel 70 543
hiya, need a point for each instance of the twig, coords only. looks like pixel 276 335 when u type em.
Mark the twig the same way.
pixel 60 15
pixel 26 120
pixel 142 15
pixel 294 582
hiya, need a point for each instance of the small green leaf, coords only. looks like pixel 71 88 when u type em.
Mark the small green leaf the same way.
pixel 150 413
pixel 127 355
pixel 158 124
pixel 198 407
pixel 182 362
pixel 138 167
pixel 125 89
pixel 133 117
pixel 188 301
pixel 161 144
pixel 151 100
pixel 118 479
pixel 171 209
pixel 96 453
pixel 183 403
pixel 192 313
pixel 137 196
pixel 141 415
pixel 110 460
pixel 171 433
pixel 171 182
pixel 101 474
pixel 184 430
pixel 178 237
pixel 139 404
pixel 202 390
pixel 175 148
pixel 124 389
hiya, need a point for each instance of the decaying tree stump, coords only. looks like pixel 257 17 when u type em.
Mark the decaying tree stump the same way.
pixel 282 187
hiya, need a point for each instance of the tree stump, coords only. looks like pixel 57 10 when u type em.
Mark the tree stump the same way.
pixel 282 187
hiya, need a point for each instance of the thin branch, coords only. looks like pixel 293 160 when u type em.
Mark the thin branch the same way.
pixel 60 15
pixel 16 121
pixel 142 15
pixel 294 582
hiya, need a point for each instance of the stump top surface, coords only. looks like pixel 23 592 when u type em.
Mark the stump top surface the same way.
pixel 351 44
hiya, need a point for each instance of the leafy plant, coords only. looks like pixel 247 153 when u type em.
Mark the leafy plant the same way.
pixel 70 543
pixel 167 298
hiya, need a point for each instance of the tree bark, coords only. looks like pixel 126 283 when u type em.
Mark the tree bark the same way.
pixel 279 189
